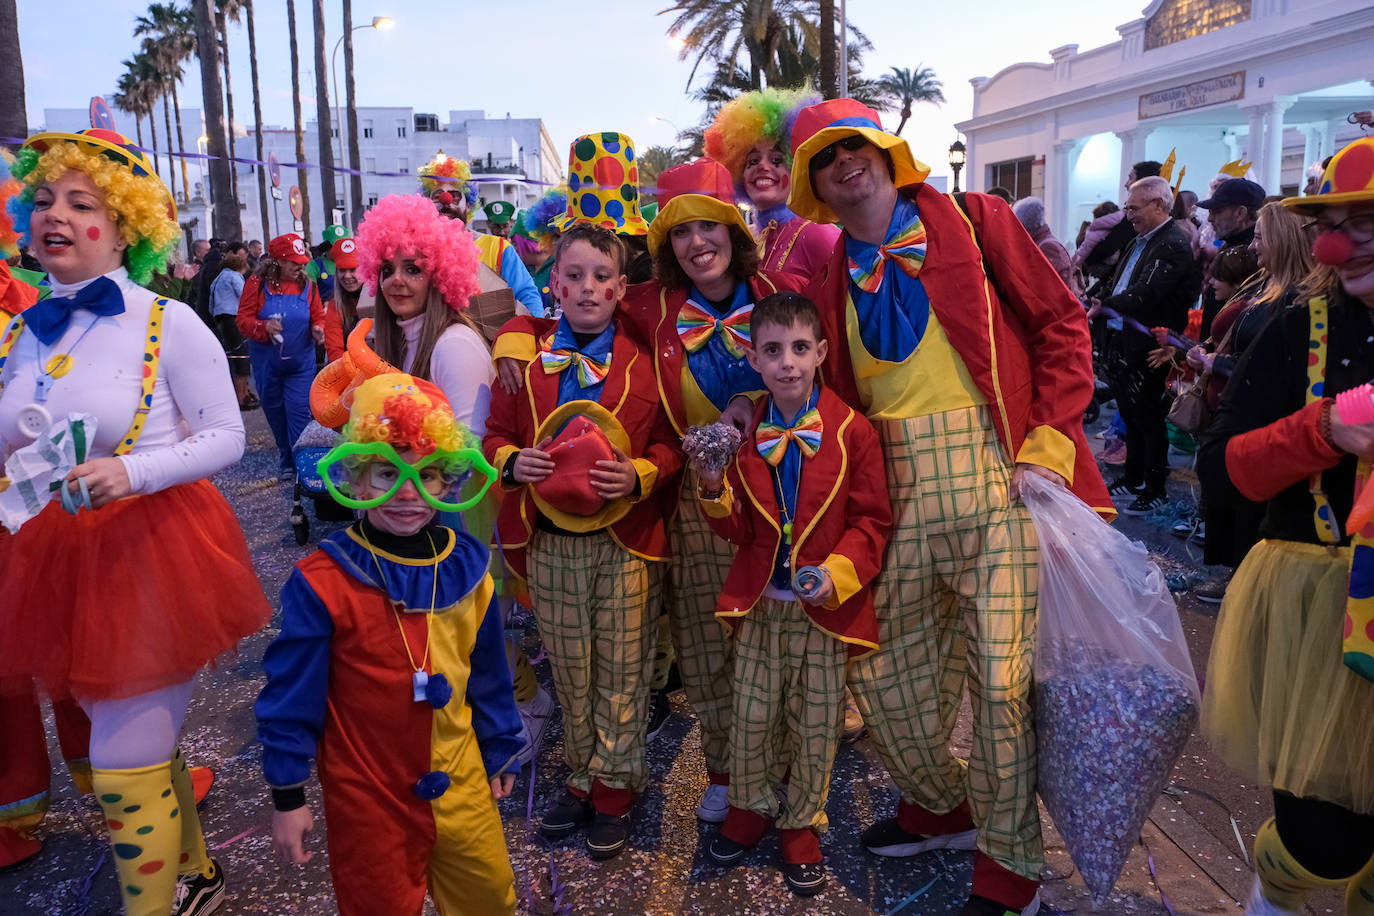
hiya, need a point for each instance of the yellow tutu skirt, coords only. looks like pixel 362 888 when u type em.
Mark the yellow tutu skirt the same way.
pixel 1279 703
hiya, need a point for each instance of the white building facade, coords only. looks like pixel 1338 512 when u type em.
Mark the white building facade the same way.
pixel 512 159
pixel 1268 81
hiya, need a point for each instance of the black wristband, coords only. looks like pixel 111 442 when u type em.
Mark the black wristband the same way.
pixel 508 472
pixel 288 799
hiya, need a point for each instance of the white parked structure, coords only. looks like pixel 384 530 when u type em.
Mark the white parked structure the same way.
pixel 512 159
pixel 1269 81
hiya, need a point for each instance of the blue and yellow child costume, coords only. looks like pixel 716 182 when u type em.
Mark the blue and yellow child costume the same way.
pixel 404 761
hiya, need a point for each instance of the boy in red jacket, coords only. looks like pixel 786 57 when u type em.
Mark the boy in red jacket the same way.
pixel 586 447
pixel 806 501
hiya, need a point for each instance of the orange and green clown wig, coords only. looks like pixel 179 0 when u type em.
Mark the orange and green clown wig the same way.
pixel 749 118
pixel 444 174
pixel 136 198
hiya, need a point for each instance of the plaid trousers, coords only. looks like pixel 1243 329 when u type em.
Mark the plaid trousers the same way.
pixel 789 709
pixel 597 607
pixel 956 603
pixel 705 654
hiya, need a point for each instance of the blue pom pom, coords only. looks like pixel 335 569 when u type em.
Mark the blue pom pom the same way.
pixel 432 785
pixel 437 691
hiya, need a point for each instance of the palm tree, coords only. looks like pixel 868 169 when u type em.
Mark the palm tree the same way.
pixel 829 52
pixel 227 11
pixel 323 118
pixel 225 222
pixel 139 89
pixel 172 34
pixel 355 180
pixel 149 52
pixel 296 110
pixel 905 87
pixel 654 160
pixel 721 29
pixel 14 118
pixel 257 118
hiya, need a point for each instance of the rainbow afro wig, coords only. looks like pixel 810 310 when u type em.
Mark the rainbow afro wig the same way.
pixel 539 217
pixel 754 116
pixel 406 413
pixel 10 188
pixel 444 173
pixel 137 200
pixel 408 225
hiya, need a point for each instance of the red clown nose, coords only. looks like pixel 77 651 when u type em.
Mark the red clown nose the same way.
pixel 1333 248
pixel 444 198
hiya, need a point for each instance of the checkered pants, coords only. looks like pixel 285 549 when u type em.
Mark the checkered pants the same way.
pixel 789 708
pixel 956 602
pixel 704 651
pixel 597 607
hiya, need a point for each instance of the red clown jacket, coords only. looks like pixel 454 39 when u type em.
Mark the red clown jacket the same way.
pixel 843 520
pixel 630 395
pixel 1020 332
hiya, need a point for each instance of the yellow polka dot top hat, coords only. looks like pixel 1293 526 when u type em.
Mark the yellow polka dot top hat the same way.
pixel 603 185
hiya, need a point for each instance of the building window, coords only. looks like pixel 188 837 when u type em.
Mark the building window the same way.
pixel 372 200
pixel 401 129
pixel 1180 19
pixel 334 130
pixel 367 129
pixel 403 165
pixel 1015 176
pixel 370 164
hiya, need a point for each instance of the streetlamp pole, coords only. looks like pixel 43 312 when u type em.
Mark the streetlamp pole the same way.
pixel 844 53
pixel 378 22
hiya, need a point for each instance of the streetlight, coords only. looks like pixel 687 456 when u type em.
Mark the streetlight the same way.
pixel 956 161
pixel 383 23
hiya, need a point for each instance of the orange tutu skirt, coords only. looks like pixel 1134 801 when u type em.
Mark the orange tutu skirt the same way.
pixel 135 596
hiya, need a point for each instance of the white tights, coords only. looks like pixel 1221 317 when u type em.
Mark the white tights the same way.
pixel 137 731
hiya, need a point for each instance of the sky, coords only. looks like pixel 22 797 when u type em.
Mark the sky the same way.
pixel 582 67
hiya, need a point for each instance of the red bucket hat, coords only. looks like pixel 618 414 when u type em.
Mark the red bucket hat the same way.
pixel 702 189
pixel 289 247
pixel 820 125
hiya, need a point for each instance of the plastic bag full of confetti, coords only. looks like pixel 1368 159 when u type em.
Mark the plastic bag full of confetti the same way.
pixel 1116 696
pixel 712 446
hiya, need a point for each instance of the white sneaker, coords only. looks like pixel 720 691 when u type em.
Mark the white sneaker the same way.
pixel 534 716
pixel 1260 905
pixel 715 803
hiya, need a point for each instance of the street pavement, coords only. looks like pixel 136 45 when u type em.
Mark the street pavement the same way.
pixel 1190 859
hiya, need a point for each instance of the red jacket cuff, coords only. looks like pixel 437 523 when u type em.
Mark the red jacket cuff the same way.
pixel 1264 462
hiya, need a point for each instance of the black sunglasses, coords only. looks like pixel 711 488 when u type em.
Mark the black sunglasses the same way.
pixel 826 156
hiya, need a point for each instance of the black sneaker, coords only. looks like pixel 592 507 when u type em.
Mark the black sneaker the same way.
pixel 887 838
pixel 197 895
pixel 607 837
pixel 805 879
pixel 1212 592
pixel 660 711
pixel 571 813
pixel 1121 487
pixel 982 906
pixel 674 679
pixel 725 851
pixel 1146 503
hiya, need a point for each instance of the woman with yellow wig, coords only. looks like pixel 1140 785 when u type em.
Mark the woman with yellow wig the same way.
pixel 145 577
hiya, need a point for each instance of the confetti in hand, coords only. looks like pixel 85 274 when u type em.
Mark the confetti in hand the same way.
pixel 711 447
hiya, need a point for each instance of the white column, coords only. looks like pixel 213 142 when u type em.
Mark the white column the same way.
pixel 1271 176
pixel 1329 135
pixel 1132 150
pixel 1312 144
pixel 1254 141
pixel 1058 198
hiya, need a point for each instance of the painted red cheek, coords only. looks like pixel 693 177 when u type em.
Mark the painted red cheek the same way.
pixel 610 294
pixel 563 293
pixel 93 233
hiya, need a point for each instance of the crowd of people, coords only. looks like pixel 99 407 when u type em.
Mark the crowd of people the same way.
pixel 782 459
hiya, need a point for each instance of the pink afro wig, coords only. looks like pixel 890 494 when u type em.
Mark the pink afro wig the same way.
pixel 411 226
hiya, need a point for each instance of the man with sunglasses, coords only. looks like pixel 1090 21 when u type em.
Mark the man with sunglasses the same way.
pixel 955 336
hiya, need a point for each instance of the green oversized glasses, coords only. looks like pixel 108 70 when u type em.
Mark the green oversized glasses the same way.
pixel 420 474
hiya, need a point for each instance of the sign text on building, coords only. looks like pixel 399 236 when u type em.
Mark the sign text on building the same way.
pixel 1214 91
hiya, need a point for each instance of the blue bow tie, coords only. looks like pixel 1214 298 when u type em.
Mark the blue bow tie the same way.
pixel 49 317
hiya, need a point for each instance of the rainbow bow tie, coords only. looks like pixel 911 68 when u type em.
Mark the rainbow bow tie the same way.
pixel 695 326
pixel 589 371
pixel 906 249
pixel 773 438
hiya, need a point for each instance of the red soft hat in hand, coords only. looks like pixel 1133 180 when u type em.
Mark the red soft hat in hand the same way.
pixel 583 433
pixel 289 247
pixel 344 253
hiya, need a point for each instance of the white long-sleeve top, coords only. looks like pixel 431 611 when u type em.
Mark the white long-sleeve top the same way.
pixel 193 427
pixel 462 368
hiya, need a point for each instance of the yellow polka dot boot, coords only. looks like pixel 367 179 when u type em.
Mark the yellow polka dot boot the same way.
pixel 143 814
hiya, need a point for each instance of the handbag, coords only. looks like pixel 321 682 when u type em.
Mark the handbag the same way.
pixel 1190 411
